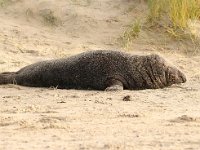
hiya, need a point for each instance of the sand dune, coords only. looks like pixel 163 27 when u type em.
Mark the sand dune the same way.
pixel 40 118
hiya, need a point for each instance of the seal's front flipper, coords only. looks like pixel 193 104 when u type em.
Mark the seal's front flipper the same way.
pixel 114 85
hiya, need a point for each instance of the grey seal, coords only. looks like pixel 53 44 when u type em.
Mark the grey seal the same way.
pixel 98 70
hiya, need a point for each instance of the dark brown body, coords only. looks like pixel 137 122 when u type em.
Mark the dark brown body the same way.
pixel 98 70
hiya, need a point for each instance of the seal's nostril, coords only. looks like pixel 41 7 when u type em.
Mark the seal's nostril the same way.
pixel 183 78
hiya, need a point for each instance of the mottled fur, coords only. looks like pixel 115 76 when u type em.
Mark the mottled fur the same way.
pixel 98 70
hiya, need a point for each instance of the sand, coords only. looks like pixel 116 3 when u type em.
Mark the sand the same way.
pixel 49 118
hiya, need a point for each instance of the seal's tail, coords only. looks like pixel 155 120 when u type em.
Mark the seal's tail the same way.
pixel 7 77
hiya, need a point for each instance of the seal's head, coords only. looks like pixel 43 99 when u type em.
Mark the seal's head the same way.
pixel 174 76
pixel 163 73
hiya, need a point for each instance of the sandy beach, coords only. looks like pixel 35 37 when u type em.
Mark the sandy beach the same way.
pixel 50 118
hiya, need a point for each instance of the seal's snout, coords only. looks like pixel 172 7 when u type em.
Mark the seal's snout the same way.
pixel 175 76
pixel 182 77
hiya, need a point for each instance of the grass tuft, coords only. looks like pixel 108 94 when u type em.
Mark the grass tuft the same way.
pixel 175 14
pixel 156 9
pixel 4 3
pixel 131 33
pixel 49 17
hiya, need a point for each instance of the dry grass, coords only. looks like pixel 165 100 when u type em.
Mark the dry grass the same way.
pixel 4 3
pixel 49 18
pixel 131 33
pixel 174 15
pixel 178 11
pixel 178 18
pixel 156 8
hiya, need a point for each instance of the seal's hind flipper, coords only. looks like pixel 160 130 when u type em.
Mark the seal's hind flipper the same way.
pixel 7 77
